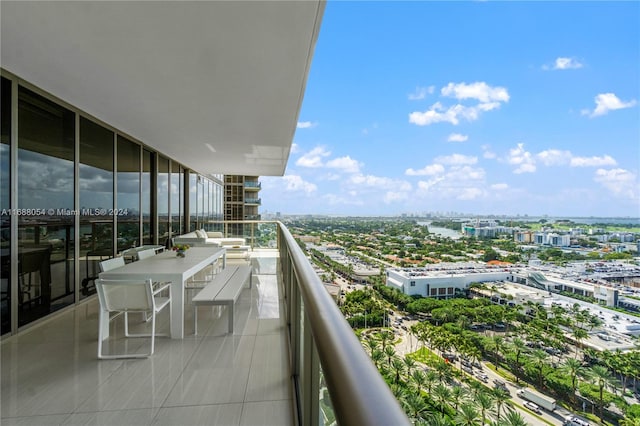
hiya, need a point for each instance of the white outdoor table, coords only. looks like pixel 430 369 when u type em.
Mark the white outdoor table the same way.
pixel 165 267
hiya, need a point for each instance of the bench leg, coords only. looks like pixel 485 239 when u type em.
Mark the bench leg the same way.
pixel 230 308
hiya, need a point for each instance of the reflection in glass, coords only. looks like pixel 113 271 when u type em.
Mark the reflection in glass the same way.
pixel 147 222
pixel 176 199
pixel 46 145
pixel 163 199
pixel 128 207
pixel 96 201
pixel 5 204
pixel 193 205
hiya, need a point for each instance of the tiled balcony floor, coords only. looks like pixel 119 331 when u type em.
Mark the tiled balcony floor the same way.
pixel 51 375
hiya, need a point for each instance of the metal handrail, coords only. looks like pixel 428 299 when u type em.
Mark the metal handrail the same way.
pixel 359 394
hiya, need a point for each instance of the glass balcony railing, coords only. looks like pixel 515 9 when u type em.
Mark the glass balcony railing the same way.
pixel 252 201
pixel 335 381
pixel 252 185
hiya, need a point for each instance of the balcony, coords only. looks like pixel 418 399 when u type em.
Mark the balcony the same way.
pixel 252 201
pixel 291 345
pixel 252 186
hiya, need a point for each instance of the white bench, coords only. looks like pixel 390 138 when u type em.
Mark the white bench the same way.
pixel 224 289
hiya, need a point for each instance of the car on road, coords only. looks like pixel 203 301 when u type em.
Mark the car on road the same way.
pixel 533 407
pixel 467 369
pixel 483 377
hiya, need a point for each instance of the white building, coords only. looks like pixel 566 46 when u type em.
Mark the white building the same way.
pixel 443 283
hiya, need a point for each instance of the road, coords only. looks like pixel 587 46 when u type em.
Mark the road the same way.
pixel 410 344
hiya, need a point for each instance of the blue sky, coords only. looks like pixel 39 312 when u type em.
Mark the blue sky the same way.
pixel 472 107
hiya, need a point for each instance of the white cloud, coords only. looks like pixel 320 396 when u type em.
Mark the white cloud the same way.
pixel 456 159
pixel 295 183
pixel 345 164
pixel 499 186
pixel 478 90
pixel 487 153
pixel 393 197
pixel 306 124
pixel 489 98
pixel 421 93
pixel 470 193
pixel 522 159
pixel 457 137
pixel 620 182
pixel 295 148
pixel 351 200
pixel 437 114
pixel 593 161
pixel 313 158
pixel 606 102
pixel 429 170
pixel 554 157
pixel 384 183
pixel 563 63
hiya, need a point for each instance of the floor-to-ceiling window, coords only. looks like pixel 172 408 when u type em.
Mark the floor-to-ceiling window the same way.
pixel 45 177
pixel 177 198
pixel 145 201
pixel 5 205
pixel 193 205
pixel 163 199
pixel 128 198
pixel 95 183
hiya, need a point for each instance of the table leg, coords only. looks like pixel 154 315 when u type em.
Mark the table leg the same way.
pixel 177 309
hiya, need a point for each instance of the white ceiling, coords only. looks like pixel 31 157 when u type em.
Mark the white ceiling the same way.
pixel 215 85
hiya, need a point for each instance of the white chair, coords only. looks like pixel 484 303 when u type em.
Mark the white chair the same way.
pixel 109 264
pixel 124 296
pixel 144 254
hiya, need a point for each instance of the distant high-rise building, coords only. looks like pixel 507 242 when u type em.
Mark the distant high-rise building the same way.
pixel 241 201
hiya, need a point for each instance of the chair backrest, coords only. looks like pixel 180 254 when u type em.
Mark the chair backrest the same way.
pixel 125 295
pixel 109 264
pixel 143 254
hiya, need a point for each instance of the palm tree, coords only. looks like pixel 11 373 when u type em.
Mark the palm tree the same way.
pixel 377 356
pixel 578 335
pixel 573 368
pixel 415 405
pixel 539 358
pixel 442 393
pixel 500 398
pixel 484 402
pixel 458 393
pixel 513 418
pixel 430 378
pixel 410 364
pixel 600 374
pixel 419 379
pixel 437 419
pixel 467 416
pixel 397 365
pixel 519 346
pixel 498 344
pixel 389 352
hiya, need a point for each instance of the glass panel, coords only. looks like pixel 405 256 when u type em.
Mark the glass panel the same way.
pixel 128 212
pixel 205 203
pixel 163 199
pixel 193 206
pixel 96 201
pixel 200 201
pixel 176 203
pixel 5 204
pixel 327 415
pixel 46 146
pixel 145 208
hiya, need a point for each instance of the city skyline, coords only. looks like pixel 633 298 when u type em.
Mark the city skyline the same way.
pixel 479 107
